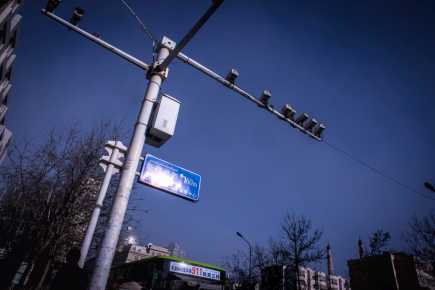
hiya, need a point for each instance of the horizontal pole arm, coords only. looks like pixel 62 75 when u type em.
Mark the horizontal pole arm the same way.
pixel 184 58
pixel 98 41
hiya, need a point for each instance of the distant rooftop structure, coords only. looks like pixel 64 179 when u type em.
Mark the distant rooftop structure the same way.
pixel 176 250
pixel 131 253
pixel 9 23
pixel 392 271
pixel 284 277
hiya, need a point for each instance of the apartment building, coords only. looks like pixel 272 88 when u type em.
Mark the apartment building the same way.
pixel 9 23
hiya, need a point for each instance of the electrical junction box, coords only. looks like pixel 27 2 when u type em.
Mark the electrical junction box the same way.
pixel 163 122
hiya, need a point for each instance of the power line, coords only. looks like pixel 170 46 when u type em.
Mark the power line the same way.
pixel 147 31
pixel 377 171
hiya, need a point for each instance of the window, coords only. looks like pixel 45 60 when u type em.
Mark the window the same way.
pixel 9 74
pixel 3 29
pixel 13 39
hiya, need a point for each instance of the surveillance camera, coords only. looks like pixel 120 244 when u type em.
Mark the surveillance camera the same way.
pixel 52 5
pixel 302 118
pixel 232 75
pixel 265 97
pixel 308 125
pixel 77 15
pixel 318 130
pixel 288 111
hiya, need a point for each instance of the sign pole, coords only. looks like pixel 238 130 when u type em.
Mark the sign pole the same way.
pixel 110 169
pixel 101 272
pixel 95 215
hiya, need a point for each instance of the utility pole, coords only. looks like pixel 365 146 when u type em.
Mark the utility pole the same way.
pixel 157 72
pixel 108 246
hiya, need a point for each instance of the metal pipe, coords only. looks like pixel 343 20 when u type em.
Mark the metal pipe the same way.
pixel 90 231
pixel 184 58
pixel 128 174
pixel 98 41
pixel 95 215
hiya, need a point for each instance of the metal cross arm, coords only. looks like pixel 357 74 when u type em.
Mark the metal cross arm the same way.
pixel 98 41
pixel 240 91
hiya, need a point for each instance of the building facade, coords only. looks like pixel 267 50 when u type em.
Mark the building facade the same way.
pixel 9 23
pixel 310 279
pixel 284 277
pixel 389 271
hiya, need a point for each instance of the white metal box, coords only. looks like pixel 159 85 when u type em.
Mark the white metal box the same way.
pixel 164 121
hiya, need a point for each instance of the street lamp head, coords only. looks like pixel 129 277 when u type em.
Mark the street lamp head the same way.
pixel 301 119
pixel 429 186
pixel 265 97
pixel 52 5
pixel 318 129
pixel 288 112
pixel 239 234
pixel 77 15
pixel 310 124
pixel 131 240
pixel 232 75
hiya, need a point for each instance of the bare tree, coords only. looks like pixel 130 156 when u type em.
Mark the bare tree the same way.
pixel 378 242
pixel 237 266
pixel 262 257
pixel 47 193
pixel 299 243
pixel 421 237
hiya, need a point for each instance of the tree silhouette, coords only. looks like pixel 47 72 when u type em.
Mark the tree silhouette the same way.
pixel 299 243
pixel 378 242
pixel 421 237
pixel 47 193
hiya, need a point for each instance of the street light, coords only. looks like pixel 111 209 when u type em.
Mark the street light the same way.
pixel 131 240
pixel 429 186
pixel 77 15
pixel 52 5
pixel 265 97
pixel 250 254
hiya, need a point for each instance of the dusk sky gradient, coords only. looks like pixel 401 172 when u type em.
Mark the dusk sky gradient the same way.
pixel 364 68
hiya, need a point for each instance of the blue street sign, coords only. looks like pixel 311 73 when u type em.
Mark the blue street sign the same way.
pixel 169 177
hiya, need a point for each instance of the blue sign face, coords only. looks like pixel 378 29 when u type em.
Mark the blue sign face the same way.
pixel 171 178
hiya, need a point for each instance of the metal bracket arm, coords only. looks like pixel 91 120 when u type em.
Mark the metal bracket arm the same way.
pixel 184 58
pixel 98 41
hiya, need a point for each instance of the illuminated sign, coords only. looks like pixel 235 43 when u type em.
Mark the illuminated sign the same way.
pixel 169 177
pixel 183 268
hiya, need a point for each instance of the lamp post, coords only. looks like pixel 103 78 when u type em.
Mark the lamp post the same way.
pixel 250 255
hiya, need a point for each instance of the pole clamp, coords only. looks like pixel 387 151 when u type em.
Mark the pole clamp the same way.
pixel 155 70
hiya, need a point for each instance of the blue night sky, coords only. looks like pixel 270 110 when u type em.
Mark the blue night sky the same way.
pixel 364 68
